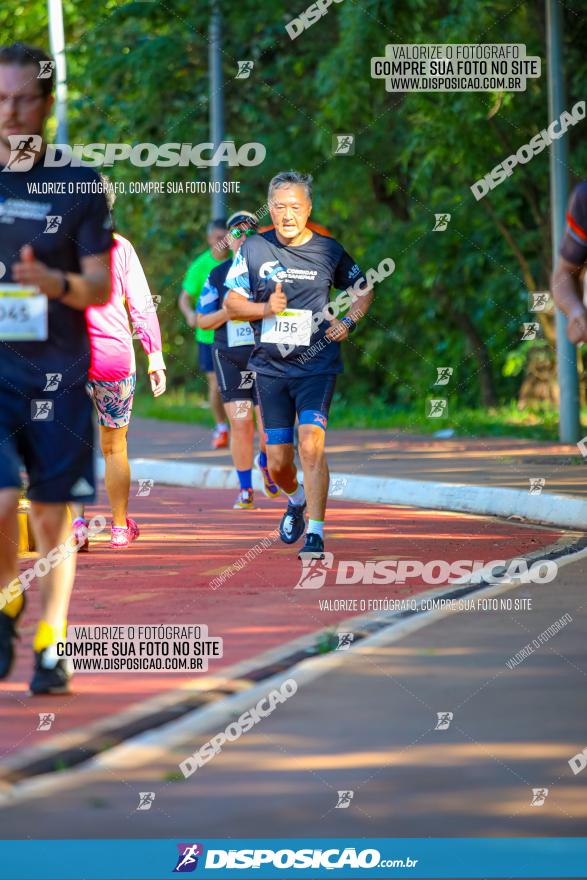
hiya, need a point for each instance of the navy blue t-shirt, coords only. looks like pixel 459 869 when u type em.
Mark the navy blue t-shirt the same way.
pixel 28 202
pixel 307 273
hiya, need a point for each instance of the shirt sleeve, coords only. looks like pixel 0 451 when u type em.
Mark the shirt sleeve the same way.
pixel 209 300
pixel 347 272
pixel 94 233
pixel 238 278
pixel 574 244
pixel 143 313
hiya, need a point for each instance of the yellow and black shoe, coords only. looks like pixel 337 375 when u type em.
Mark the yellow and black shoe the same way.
pixel 51 674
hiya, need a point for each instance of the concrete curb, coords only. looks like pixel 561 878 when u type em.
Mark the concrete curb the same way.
pixel 564 511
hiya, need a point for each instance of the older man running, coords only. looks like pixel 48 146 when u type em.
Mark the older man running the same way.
pixel 281 281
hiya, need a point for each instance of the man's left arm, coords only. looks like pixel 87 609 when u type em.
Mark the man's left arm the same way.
pixel 352 284
pixel 93 240
pixel 90 287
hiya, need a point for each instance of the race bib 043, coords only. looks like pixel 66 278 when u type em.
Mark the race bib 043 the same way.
pixel 23 314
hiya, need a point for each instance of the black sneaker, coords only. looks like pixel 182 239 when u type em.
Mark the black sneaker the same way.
pixel 7 636
pixel 293 523
pixel 51 674
pixel 313 547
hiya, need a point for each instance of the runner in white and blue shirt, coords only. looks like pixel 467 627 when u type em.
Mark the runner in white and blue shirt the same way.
pixel 231 350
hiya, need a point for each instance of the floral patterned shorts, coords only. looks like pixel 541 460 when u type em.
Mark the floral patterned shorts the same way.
pixel 113 400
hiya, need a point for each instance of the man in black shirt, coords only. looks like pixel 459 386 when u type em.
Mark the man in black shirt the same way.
pixel 281 281
pixel 55 240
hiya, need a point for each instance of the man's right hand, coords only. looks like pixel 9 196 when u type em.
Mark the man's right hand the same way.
pixel 193 320
pixel 577 325
pixel 277 302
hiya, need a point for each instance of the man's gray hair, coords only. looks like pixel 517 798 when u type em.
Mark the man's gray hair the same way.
pixel 289 178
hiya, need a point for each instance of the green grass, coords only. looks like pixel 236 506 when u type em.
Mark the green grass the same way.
pixel 180 405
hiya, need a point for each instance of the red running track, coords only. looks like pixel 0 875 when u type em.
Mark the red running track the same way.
pixel 188 537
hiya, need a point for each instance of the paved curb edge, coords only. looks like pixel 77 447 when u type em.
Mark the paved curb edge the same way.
pixel 564 511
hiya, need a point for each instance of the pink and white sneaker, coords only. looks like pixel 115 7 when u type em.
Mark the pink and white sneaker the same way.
pixel 79 528
pixel 123 537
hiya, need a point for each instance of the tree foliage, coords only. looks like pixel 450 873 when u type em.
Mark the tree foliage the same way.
pixel 138 73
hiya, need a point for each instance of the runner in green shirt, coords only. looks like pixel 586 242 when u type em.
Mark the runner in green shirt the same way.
pixel 193 283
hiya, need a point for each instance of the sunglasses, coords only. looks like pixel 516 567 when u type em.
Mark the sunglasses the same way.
pixel 238 233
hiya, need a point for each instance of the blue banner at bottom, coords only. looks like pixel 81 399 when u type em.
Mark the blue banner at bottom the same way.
pixel 307 859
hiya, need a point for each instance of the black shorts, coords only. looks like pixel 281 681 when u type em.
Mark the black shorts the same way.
pixel 52 435
pixel 235 380
pixel 281 399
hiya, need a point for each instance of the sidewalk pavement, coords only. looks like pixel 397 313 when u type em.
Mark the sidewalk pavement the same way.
pixel 368 726
pixel 503 462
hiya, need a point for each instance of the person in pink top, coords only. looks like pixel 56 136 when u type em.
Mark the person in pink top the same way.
pixel 112 378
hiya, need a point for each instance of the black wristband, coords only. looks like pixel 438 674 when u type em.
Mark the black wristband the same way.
pixel 349 323
pixel 66 286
